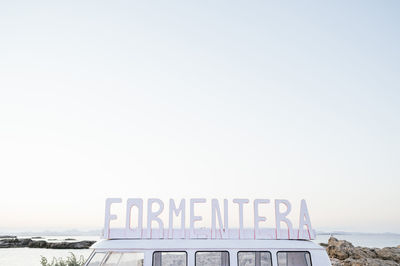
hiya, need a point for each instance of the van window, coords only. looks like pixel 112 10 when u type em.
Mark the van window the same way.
pixel 96 259
pixel 131 259
pixel 212 258
pixel 254 258
pixel 124 259
pixel 169 258
pixel 294 258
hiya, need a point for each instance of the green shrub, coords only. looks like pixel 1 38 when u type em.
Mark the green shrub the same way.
pixel 69 261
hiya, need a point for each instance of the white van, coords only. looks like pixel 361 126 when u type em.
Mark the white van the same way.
pixel 207 252
pixel 205 246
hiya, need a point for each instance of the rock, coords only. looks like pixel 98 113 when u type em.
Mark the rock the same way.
pixel 83 244
pixel 339 249
pixel 14 242
pixel 6 236
pixel 4 244
pixel 389 254
pixel 323 245
pixel 359 253
pixel 71 245
pixel 343 253
pixel 28 242
pixel 25 241
pixel 38 244
pixel 336 262
pixel 366 262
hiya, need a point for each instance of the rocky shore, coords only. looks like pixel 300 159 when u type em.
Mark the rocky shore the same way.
pixel 343 253
pixel 14 242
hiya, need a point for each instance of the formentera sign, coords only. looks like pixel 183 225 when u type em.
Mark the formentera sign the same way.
pixel 219 225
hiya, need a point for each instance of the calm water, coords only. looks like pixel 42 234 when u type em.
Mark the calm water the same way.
pixel 31 256
pixel 365 240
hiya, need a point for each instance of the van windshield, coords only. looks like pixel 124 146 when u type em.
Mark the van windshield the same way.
pixel 117 259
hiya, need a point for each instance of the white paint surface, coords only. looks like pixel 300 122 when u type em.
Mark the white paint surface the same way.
pixel 305 230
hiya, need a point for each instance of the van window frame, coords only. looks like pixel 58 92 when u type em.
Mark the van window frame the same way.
pixel 108 254
pixel 94 252
pixel 166 251
pixel 207 250
pixel 293 251
pixel 253 251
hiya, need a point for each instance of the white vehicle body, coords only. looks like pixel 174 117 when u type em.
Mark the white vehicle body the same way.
pixel 147 252
pixel 217 245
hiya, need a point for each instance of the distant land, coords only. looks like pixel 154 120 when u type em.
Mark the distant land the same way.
pixel 98 232
pixel 353 233
pixel 72 232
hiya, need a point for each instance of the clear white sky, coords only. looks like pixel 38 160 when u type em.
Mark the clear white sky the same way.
pixel 209 98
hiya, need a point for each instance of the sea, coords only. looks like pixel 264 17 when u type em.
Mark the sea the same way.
pixel 32 256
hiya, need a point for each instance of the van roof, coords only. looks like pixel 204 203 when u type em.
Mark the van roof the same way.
pixel 202 244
